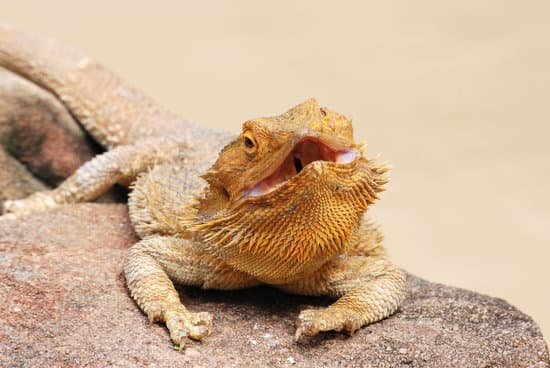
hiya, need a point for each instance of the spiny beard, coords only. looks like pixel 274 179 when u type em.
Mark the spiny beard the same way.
pixel 290 236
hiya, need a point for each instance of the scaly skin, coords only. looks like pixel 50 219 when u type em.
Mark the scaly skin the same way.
pixel 282 203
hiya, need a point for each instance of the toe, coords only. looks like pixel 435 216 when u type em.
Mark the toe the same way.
pixel 313 321
pixel 179 337
pixel 307 325
pixel 154 314
pixel 200 325
pixel 184 324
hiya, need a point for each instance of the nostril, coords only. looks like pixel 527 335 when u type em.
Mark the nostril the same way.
pixel 298 164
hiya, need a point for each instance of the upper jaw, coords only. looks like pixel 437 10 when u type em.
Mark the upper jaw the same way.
pixel 304 150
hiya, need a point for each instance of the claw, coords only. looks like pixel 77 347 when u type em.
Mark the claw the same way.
pixel 298 335
pixel 8 216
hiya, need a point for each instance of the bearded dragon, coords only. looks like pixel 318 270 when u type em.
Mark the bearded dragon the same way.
pixel 281 203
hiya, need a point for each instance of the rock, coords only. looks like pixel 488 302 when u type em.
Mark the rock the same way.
pixel 38 130
pixel 40 142
pixel 15 180
pixel 63 302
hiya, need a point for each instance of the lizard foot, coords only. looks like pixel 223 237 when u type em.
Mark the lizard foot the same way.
pixel 183 324
pixel 36 202
pixel 313 321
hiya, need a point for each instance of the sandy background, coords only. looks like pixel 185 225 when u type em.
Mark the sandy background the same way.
pixel 454 93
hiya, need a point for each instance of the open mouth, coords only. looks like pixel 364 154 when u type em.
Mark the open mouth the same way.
pixel 306 151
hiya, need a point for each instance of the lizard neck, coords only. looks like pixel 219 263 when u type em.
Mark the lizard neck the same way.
pixel 293 233
pixel 293 230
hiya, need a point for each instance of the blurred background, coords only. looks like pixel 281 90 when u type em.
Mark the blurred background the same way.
pixel 455 94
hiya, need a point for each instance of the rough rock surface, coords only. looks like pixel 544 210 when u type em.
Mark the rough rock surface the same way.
pixel 38 130
pixel 63 302
pixel 15 180
pixel 40 142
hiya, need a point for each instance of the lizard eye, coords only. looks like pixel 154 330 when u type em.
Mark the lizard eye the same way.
pixel 249 141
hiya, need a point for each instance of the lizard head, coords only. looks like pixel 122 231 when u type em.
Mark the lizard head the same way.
pixel 295 185
pixel 272 151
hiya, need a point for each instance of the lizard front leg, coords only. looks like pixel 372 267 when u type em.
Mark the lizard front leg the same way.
pixel 94 178
pixel 369 289
pixel 152 265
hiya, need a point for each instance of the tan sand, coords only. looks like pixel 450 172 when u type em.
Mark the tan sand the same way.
pixel 455 94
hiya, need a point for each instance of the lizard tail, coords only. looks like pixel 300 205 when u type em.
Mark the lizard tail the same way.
pixel 108 108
